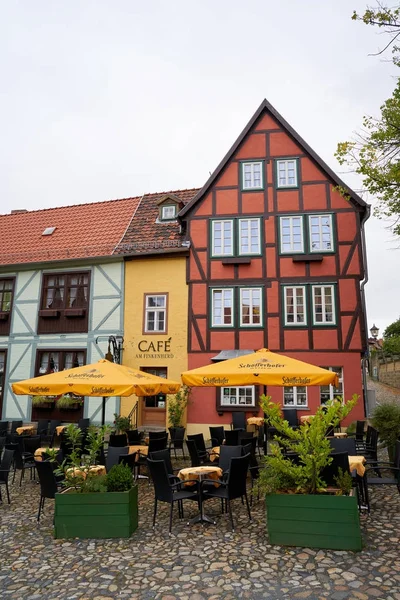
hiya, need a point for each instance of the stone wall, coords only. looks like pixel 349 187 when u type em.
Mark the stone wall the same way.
pixel 389 371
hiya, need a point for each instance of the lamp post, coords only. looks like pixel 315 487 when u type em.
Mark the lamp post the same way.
pixel 113 354
pixel 374 331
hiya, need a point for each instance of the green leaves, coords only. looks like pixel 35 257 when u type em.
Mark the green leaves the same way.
pixel 308 442
pixel 177 405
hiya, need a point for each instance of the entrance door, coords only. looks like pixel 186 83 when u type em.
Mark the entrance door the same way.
pixel 154 407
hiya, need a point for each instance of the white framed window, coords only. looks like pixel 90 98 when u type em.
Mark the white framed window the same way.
pixel 222 238
pixel 295 305
pixel 252 176
pixel 323 299
pixel 291 234
pixel 249 236
pixel 295 396
pixel 238 396
pixel 286 172
pixel 330 392
pixel 155 313
pixel 168 212
pixel 222 307
pixel 250 307
pixel 320 233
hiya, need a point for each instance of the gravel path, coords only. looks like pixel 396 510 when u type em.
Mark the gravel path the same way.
pixel 195 562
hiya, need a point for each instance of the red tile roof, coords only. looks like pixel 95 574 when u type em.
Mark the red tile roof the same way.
pixel 82 230
pixel 127 226
pixel 146 233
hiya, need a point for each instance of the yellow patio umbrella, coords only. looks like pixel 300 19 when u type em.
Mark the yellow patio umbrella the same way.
pixel 260 368
pixel 102 379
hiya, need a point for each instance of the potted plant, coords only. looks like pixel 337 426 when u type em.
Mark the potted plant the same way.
pixel 122 424
pixel 301 510
pixel 92 505
pixel 177 404
pixel 386 419
pixel 43 401
pixel 69 402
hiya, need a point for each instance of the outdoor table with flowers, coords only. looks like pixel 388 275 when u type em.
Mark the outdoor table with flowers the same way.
pixel 189 474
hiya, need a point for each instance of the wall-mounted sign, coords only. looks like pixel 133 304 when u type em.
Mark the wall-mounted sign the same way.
pixel 148 348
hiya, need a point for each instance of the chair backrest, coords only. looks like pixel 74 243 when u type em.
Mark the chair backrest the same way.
pixel 198 439
pixel 245 435
pixel 248 450
pixel 159 476
pixel 330 431
pixel 113 454
pixel 5 464
pixel 53 424
pixel 117 440
pixel 134 436
pixel 340 460
pixel 17 450
pixel 31 443
pixel 373 439
pixel 193 453
pixel 128 459
pixel 3 427
pixel 83 423
pixel 226 453
pixel 158 444
pixel 177 436
pixel 217 435
pixel 396 461
pixel 343 445
pixel 154 435
pixel 14 425
pixel 47 480
pixel 239 420
pixel 166 457
pixel 236 482
pixel 232 437
pixel 368 434
pixel 42 427
pixel 249 443
pixel 360 426
pixel 290 414
pixel 3 440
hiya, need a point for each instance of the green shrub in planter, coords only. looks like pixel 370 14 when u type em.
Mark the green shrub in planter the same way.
pixel 386 419
pixel 119 478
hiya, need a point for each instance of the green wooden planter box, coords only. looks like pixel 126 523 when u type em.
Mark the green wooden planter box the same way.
pixel 96 515
pixel 314 521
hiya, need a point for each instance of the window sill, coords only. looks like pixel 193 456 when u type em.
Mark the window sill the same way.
pixel 4 316
pixel 236 408
pixel 308 258
pixel 75 312
pixel 239 260
pixel 296 407
pixel 49 314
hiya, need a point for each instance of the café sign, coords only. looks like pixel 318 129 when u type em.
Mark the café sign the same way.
pixel 154 349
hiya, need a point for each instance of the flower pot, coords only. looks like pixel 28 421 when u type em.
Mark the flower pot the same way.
pixel 314 521
pixel 96 515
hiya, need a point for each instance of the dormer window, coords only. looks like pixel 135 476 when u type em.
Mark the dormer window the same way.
pixel 168 212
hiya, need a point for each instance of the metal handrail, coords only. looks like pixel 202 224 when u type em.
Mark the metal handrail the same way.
pixel 133 416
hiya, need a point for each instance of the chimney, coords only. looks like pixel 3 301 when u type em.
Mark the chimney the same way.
pixel 16 211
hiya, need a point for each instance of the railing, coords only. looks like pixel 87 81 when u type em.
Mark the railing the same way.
pixel 133 416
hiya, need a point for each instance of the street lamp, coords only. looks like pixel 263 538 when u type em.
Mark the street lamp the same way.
pixel 113 353
pixel 374 331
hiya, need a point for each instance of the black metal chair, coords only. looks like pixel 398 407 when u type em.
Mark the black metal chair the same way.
pixel 3 441
pixel 14 425
pixel 155 445
pixel 196 459
pixel 117 440
pixel 177 435
pixel 29 446
pixel 166 457
pixel 217 435
pixel 250 443
pixel 340 460
pixel 130 461
pixel 165 491
pixel 84 424
pixel 49 438
pixel 290 415
pixel 3 428
pixel 5 467
pixel 254 469
pixel 134 437
pixel 233 487
pixel 113 454
pixel 390 470
pixel 226 453
pixel 24 461
pixel 232 437
pixel 344 445
pixel 43 428
pixel 198 439
pixel 239 420
pixel 359 434
pixel 153 435
pixel 48 483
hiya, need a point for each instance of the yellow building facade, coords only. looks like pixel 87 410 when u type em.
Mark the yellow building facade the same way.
pixel 155 328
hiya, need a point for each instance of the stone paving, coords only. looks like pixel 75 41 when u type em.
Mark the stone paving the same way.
pixel 196 562
pixel 384 393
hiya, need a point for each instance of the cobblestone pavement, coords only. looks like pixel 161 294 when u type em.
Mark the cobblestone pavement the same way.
pixel 384 393
pixel 196 562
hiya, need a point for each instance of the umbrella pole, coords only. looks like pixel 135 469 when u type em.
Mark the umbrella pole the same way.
pixel 265 427
pixel 103 411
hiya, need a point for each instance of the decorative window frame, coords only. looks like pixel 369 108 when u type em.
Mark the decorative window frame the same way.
pixel 332 393
pixel 285 287
pixel 320 250
pixel 262 175
pixel 236 292
pixel 167 206
pixel 295 391
pixel 251 289
pixel 147 309
pixel 236 237
pixel 280 234
pixel 324 323
pixel 237 404
pixel 62 352
pixel 296 170
pixel 214 290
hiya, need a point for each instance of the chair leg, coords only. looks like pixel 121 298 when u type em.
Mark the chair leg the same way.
pixel 15 470
pixel 8 493
pixel 170 516
pixel 248 507
pixel 155 512
pixel 40 509
pixel 230 514
pixel 22 476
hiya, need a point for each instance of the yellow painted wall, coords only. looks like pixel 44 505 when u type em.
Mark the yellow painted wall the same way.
pixel 155 276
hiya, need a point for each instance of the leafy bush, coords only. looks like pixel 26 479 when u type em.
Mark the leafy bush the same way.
pixel 386 419
pixel 177 404
pixel 119 479
pixel 39 401
pixel 344 482
pixel 310 444
pixel 95 483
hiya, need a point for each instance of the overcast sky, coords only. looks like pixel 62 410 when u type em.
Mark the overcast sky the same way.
pixel 104 99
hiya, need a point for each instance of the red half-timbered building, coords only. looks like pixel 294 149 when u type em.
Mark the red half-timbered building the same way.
pixel 277 260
